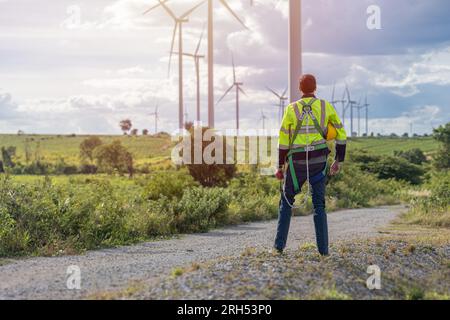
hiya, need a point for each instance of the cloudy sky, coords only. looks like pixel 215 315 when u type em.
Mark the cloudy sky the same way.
pixel 80 66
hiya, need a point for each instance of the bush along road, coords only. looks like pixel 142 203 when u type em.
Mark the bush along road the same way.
pixel 157 269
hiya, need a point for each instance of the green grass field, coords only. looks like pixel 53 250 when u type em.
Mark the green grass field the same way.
pixel 52 148
pixel 150 149
pixel 387 146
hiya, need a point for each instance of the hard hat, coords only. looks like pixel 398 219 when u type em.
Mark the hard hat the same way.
pixel 331 132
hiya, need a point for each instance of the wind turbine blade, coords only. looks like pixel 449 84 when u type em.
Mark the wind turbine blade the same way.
pixel 348 94
pixel 273 91
pixel 200 41
pixel 284 93
pixel 152 8
pixel 225 4
pixel 343 97
pixel 191 10
pixel 225 94
pixel 242 90
pixel 167 10
pixel 173 43
pixel 234 68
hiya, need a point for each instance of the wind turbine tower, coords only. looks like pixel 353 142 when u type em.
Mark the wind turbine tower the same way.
pixel 295 48
pixel 238 86
pixel 211 102
pixel 179 21
pixel 156 115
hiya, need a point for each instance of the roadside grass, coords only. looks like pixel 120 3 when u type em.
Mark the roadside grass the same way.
pixel 431 207
pixel 68 215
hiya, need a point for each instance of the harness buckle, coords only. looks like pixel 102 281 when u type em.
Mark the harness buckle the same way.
pixel 310 148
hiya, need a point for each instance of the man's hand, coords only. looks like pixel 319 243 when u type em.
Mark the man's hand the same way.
pixel 280 174
pixel 335 169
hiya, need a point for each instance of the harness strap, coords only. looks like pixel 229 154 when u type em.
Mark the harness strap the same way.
pixel 307 110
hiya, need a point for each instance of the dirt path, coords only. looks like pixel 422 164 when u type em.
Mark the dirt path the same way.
pixel 45 278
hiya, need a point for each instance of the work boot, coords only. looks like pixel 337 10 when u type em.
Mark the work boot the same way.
pixel 277 252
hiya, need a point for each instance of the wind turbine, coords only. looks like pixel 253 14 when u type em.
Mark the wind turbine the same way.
pixel 367 105
pixel 237 85
pixel 263 119
pixel 196 56
pixel 351 104
pixel 282 97
pixel 359 107
pixel 178 26
pixel 211 102
pixel 295 48
pixel 342 102
pixel 156 115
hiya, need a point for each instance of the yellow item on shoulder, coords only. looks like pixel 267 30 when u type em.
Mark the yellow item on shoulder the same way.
pixel 331 132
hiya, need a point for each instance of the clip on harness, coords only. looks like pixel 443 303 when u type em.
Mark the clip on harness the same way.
pixel 306 114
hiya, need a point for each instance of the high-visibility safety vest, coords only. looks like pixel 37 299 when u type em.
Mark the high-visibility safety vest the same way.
pixel 322 115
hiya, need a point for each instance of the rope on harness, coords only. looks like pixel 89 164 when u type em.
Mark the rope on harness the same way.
pixel 307 113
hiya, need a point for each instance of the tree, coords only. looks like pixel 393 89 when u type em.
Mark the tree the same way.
pixel 442 157
pixel 114 157
pixel 87 148
pixel 145 132
pixel 210 175
pixel 125 126
pixel 8 155
pixel 134 132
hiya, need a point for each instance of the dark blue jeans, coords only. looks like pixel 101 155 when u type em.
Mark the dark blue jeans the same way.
pixel 320 216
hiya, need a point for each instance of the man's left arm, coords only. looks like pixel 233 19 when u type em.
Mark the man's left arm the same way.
pixel 341 139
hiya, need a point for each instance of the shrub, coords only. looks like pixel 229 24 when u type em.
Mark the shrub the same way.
pixel 415 156
pixel 399 169
pixel 433 209
pixel 442 158
pixel 167 184
pixel 87 148
pixel 88 169
pixel 355 188
pixel 8 155
pixel 200 209
pixel 210 175
pixel 388 167
pixel 62 168
pixel 114 157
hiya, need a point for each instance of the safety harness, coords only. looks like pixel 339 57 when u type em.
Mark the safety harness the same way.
pixel 306 114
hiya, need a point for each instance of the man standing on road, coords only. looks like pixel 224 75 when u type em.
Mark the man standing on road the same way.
pixel 307 125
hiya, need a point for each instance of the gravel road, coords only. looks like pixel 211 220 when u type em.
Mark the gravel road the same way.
pixel 111 269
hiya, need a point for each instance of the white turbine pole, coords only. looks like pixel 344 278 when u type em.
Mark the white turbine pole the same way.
pixel 295 49
pixel 211 101
pixel 180 75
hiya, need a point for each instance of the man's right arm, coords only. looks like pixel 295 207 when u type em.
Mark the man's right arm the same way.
pixel 284 137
